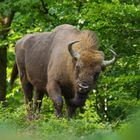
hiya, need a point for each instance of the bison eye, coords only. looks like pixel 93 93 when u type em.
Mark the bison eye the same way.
pixel 96 75
pixel 77 70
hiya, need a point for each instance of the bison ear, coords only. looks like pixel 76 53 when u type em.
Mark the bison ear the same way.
pixel 73 53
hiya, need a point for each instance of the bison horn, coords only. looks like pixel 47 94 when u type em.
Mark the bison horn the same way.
pixel 72 52
pixel 106 63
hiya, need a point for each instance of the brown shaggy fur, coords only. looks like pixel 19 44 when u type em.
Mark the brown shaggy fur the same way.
pixel 91 57
pixel 89 39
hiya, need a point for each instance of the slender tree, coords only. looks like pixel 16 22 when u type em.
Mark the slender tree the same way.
pixel 5 23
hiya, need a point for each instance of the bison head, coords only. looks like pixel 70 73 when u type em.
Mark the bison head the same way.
pixel 89 64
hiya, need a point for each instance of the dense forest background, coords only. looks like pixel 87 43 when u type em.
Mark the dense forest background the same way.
pixel 108 112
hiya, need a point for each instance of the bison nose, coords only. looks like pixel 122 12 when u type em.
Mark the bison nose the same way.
pixel 83 87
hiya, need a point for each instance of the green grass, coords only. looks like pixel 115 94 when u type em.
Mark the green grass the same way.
pixel 14 122
pixel 15 125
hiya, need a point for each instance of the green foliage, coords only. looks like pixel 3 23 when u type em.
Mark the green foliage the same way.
pixel 116 22
pixel 50 127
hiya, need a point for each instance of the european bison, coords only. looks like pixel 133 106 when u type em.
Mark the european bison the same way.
pixel 65 62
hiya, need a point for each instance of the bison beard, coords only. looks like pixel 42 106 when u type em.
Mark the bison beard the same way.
pixel 65 62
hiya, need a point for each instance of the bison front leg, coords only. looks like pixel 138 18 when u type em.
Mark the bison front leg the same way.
pixel 71 111
pixel 54 92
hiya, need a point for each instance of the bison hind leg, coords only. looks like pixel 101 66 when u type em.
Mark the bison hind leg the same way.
pixel 28 93
pixel 27 89
pixel 38 100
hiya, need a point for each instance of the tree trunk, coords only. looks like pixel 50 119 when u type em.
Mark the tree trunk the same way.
pixel 5 23
pixel 3 65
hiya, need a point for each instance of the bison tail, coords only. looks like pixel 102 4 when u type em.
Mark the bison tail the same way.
pixel 13 74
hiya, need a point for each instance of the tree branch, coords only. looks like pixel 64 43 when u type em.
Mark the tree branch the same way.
pixel 46 11
pixel 8 19
pixel 6 23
